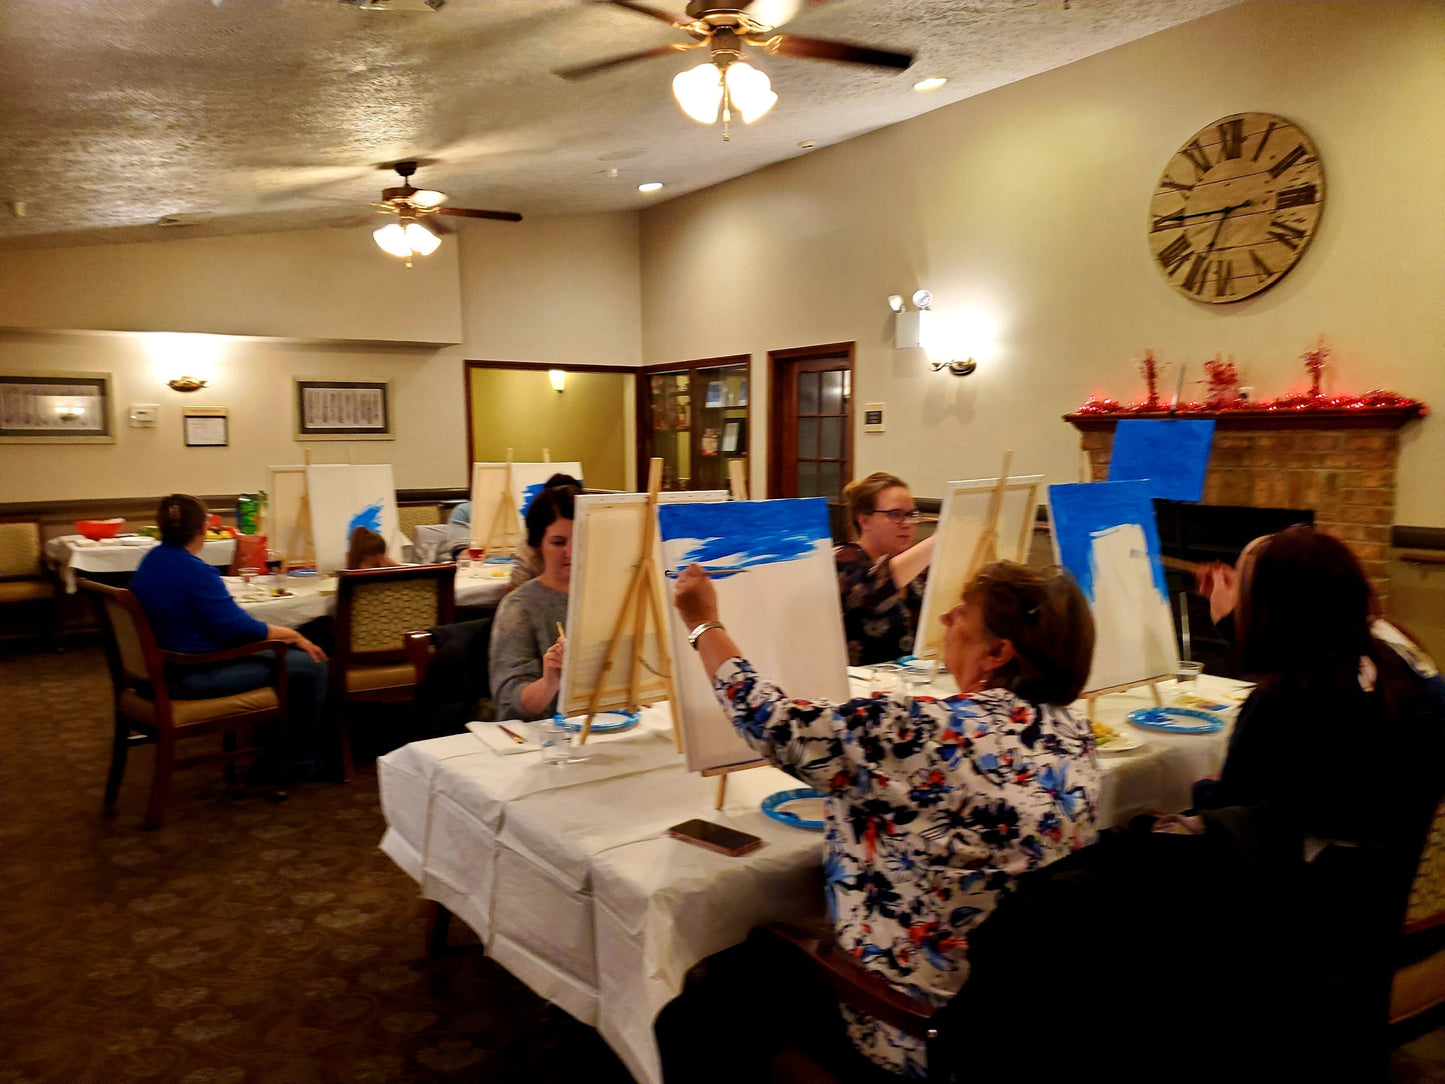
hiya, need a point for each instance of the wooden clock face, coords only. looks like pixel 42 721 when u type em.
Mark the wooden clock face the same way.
pixel 1236 207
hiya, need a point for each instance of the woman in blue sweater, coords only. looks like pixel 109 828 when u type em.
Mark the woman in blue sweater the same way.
pixel 191 612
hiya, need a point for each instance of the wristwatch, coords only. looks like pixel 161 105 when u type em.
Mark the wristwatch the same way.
pixel 699 630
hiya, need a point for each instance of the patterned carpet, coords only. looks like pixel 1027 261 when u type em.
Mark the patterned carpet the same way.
pixel 243 942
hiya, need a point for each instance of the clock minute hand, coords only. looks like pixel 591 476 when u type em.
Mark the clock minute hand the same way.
pixel 1227 212
pixel 1206 214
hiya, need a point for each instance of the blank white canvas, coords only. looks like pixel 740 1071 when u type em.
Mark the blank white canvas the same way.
pixel 784 615
pixel 1133 624
pixel 344 495
pixel 961 522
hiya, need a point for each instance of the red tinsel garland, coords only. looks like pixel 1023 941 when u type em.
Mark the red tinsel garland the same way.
pixel 1303 402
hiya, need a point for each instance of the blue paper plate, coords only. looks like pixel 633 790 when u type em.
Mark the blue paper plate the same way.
pixel 1176 720
pixel 496 560
pixel 602 722
pixel 773 802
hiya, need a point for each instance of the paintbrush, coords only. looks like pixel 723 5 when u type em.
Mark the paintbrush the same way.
pixel 561 635
pixel 512 734
pixel 714 570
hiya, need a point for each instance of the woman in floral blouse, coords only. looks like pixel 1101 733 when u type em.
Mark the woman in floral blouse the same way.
pixel 935 807
pixel 881 576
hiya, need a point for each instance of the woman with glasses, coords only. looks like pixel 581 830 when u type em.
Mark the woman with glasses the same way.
pixel 882 574
pixel 934 807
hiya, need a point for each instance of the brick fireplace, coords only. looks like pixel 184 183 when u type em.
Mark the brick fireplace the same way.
pixel 1338 463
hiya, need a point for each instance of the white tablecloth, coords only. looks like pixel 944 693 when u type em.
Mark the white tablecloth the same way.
pixel 75 553
pixel 315 596
pixel 568 876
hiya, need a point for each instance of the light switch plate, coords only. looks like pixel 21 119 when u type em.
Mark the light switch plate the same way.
pixel 873 417
pixel 144 415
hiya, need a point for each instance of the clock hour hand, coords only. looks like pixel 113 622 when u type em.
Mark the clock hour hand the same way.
pixel 1206 214
pixel 1222 218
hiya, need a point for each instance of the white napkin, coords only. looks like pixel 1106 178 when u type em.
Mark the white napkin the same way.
pixel 491 735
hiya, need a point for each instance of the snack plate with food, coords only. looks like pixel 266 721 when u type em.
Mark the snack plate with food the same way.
pixel 1109 741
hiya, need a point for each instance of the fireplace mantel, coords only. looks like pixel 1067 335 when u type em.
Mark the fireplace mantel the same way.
pixel 1339 463
pixel 1338 418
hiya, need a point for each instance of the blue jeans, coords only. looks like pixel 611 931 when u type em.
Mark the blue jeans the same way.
pixel 306 691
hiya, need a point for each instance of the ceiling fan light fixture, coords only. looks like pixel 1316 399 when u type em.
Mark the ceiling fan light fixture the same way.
pixel 425 197
pixel 391 238
pixel 422 241
pixel 750 90
pixel 699 92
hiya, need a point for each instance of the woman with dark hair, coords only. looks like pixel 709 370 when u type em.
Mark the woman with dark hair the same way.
pixel 368 550
pixel 881 573
pixel 934 807
pixel 526 650
pixel 191 611
pixel 528 563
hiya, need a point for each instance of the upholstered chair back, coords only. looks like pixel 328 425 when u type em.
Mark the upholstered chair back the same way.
pixel 20 549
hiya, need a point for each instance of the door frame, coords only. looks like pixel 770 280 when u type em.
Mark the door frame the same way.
pixel 643 399
pixel 781 424
pixel 469 365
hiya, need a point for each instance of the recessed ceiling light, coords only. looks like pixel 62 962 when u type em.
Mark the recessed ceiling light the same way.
pixel 931 83
pixel 650 186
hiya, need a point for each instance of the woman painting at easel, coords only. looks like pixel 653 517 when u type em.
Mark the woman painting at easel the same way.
pixel 527 646
pixel 881 576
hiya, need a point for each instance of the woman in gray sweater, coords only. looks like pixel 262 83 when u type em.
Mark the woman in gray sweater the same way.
pixel 526 653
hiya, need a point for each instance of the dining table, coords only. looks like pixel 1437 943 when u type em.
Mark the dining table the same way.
pixel 69 554
pixel 567 874
pixel 308 596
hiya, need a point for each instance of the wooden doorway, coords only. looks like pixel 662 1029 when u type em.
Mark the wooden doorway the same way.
pixel 810 428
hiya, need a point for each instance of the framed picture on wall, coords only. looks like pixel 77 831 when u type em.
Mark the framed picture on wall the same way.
pixel 343 409
pixel 206 427
pixel 56 408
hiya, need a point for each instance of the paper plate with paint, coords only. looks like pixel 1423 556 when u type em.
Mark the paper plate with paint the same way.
pixel 602 722
pixel 1110 741
pixel 1176 720
pixel 801 808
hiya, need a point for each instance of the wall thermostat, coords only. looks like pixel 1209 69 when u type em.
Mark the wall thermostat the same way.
pixel 144 415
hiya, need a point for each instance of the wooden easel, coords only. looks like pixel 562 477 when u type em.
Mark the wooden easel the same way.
pixel 1092 696
pixel 641 604
pixel 504 535
pixel 297 544
pixel 738 483
pixel 985 550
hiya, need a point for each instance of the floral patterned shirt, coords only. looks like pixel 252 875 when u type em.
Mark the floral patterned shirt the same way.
pixel 935 807
pixel 879 620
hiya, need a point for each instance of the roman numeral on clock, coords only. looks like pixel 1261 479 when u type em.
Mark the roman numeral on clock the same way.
pixel 1288 160
pixel 1223 278
pixel 1175 253
pixel 1263 139
pixel 1265 271
pixel 1198 157
pixel 1301 196
pixel 1285 234
pixel 1231 138
pixel 1198 276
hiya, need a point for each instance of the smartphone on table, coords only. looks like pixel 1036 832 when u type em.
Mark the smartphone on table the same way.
pixel 715 837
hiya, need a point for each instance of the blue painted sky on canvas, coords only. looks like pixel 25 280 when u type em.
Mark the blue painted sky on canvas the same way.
pixel 369 517
pixel 1171 456
pixel 741 534
pixel 1080 511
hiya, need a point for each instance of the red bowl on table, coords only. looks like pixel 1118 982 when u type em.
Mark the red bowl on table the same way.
pixel 98 529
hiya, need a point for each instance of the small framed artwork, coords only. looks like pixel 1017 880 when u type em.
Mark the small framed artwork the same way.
pixel 735 436
pixel 343 409
pixel 742 392
pixel 56 408
pixel 714 398
pixel 206 427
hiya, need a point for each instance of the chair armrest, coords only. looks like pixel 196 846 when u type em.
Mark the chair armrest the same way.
pixel 418 653
pixel 851 982
pixel 177 658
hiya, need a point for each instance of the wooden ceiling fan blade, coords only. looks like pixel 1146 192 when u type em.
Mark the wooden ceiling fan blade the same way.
pixel 436 226
pixel 467 212
pixel 585 70
pixel 670 19
pixel 818 49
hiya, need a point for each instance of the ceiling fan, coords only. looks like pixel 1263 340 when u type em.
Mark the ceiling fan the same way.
pixel 416 229
pixel 727 81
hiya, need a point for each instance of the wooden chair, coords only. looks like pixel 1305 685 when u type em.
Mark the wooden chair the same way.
pixel 23 582
pixel 375 609
pixel 816 952
pixel 146 714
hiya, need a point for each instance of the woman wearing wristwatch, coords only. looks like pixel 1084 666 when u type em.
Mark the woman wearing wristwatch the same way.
pixel 934 807
pixel 882 574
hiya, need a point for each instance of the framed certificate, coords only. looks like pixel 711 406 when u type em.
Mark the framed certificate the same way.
pixel 343 410
pixel 206 427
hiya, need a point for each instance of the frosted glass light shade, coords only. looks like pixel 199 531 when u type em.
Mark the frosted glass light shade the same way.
pixel 699 91
pixel 422 240
pixel 750 90
pixel 413 239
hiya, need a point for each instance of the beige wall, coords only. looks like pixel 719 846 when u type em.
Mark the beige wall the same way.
pixel 1024 211
pixel 560 290
pixel 592 421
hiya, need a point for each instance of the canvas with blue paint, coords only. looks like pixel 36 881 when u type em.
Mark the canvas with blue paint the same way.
pixel 528 479
pixel 1105 535
pixel 344 496
pixel 1172 456
pixel 772 566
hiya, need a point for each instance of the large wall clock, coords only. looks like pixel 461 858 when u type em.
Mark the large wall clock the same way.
pixel 1236 207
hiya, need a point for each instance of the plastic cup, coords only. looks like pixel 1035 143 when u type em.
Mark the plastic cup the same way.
pixel 887 678
pixel 1187 673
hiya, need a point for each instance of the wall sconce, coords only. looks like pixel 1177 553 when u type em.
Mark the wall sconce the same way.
pixel 186 383
pixel 956 367
pixel 558 377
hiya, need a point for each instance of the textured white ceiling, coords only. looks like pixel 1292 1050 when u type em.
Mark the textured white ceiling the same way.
pixel 243 116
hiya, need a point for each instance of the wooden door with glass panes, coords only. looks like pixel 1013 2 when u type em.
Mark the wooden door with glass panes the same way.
pixel 695 420
pixel 811 432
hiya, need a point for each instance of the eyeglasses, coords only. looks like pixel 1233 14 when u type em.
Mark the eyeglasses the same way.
pixel 898 515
